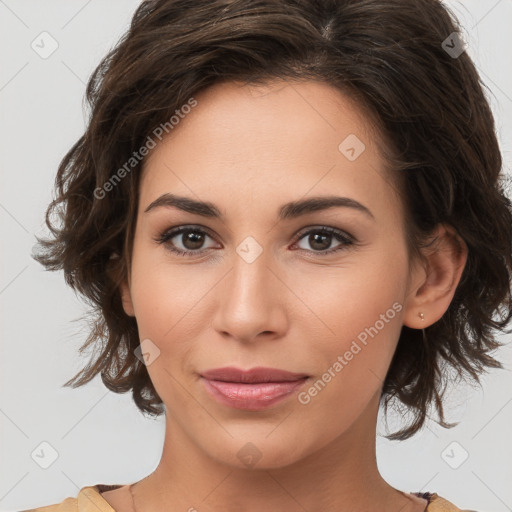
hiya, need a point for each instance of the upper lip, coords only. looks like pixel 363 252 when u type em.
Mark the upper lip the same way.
pixel 259 374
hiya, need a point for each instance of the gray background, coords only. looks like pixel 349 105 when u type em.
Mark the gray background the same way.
pixel 100 437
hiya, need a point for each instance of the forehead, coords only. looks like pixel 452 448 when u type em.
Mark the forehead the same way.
pixel 291 137
pixel 272 114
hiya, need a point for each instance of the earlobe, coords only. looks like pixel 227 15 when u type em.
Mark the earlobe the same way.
pixel 434 286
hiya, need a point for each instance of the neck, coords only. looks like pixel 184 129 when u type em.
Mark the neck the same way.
pixel 340 476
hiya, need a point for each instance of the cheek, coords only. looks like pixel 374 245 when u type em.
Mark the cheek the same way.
pixel 169 302
pixel 352 368
pixel 354 295
pixel 166 309
pixel 163 294
pixel 360 307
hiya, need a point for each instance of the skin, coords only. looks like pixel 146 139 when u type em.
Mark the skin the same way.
pixel 249 150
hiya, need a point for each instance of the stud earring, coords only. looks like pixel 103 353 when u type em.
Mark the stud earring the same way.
pixel 421 315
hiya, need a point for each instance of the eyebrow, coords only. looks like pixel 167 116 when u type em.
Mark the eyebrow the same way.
pixel 289 210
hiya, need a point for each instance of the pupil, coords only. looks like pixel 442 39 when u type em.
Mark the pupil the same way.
pixel 193 240
pixel 316 237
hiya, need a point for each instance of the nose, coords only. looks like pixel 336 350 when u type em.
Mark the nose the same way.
pixel 251 303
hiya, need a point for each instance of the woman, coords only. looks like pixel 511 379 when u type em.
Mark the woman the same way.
pixel 287 214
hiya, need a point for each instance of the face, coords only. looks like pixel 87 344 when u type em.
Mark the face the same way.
pixel 318 291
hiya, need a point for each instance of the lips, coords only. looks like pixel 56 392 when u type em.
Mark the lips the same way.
pixel 254 375
pixel 252 390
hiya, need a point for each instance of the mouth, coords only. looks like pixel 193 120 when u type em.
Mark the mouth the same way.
pixel 255 389
pixel 254 375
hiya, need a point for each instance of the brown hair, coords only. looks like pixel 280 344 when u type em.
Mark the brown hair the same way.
pixel 389 55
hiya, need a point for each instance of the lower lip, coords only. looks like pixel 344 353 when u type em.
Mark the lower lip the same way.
pixel 251 397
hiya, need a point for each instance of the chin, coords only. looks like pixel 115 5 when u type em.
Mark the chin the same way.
pixel 259 452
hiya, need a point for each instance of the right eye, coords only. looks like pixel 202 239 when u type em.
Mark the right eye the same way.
pixel 190 238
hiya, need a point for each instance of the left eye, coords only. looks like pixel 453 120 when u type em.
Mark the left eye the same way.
pixel 321 238
pixel 192 240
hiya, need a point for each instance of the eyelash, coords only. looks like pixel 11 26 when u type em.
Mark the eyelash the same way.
pixel 340 236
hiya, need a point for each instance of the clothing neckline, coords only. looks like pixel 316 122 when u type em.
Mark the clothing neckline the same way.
pixel 101 488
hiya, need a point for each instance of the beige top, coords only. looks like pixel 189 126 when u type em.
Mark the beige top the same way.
pixel 89 499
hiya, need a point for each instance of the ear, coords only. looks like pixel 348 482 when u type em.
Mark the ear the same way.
pixel 124 288
pixel 433 284
pixel 126 298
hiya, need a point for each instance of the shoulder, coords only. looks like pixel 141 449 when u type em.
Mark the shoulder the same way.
pixel 88 499
pixel 439 504
pixel 68 505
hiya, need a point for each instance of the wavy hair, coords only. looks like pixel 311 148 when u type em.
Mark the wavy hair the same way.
pixel 390 56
